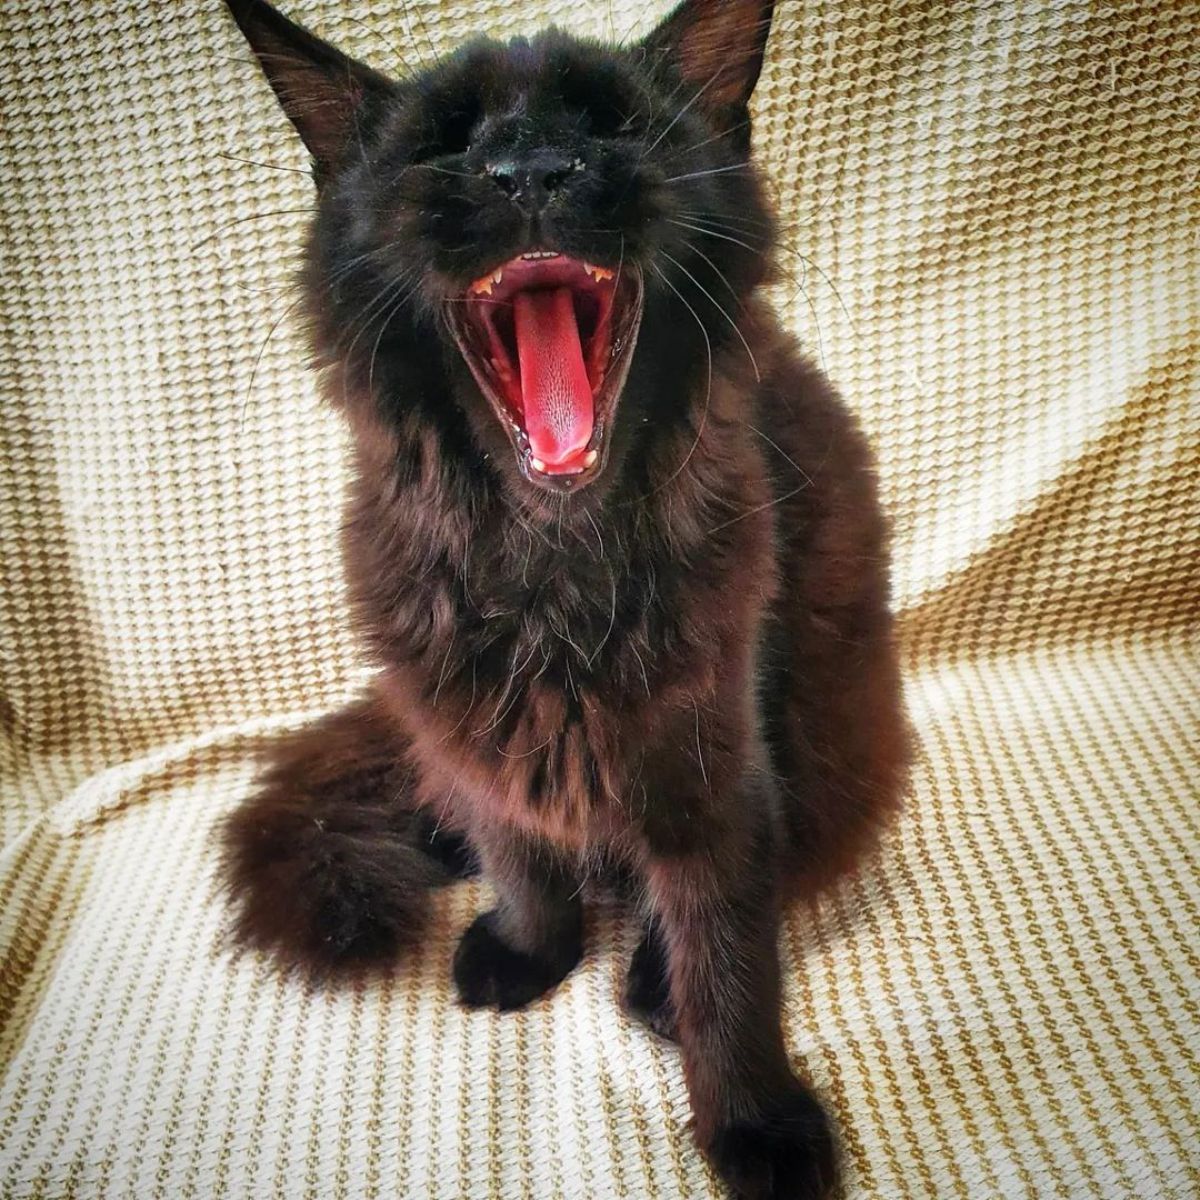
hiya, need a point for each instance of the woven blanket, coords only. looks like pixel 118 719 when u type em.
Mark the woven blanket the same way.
pixel 991 212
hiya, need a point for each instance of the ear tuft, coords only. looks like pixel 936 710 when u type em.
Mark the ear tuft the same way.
pixel 717 45
pixel 322 90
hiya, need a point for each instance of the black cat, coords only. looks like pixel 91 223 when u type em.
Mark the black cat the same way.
pixel 614 544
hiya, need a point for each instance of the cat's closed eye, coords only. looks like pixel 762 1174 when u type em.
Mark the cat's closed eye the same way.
pixel 451 135
pixel 605 120
pixel 605 107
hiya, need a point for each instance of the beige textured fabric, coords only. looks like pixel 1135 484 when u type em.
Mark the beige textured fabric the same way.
pixel 993 208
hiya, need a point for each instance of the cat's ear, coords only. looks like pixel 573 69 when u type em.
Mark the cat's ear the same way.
pixel 322 90
pixel 717 45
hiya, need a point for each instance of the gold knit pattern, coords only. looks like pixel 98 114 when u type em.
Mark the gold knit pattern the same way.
pixel 992 213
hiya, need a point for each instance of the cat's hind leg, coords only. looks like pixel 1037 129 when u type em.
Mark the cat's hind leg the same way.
pixel 647 996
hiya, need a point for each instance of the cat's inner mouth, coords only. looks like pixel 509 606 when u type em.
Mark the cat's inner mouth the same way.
pixel 548 339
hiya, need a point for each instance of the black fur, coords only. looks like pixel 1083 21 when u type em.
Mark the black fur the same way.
pixel 681 662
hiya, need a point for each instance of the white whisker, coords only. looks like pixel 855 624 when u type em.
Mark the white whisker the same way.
pixel 758 508
pixel 679 114
pixel 799 468
pixel 714 171
pixel 724 237
pixel 708 392
pixel 721 310
pixel 699 751
pixel 612 620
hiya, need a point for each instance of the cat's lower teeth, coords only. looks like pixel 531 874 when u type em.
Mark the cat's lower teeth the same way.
pixel 588 460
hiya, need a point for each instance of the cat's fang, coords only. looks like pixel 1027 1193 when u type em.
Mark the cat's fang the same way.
pixel 599 274
pixel 589 459
pixel 483 286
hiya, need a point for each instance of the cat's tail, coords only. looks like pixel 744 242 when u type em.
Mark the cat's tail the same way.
pixel 328 862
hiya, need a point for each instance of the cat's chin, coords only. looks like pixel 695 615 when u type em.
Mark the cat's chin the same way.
pixel 549 340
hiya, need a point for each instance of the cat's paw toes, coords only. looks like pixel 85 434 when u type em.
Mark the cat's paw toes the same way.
pixel 787 1153
pixel 490 974
pixel 647 996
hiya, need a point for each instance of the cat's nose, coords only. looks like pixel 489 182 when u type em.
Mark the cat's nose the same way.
pixel 531 180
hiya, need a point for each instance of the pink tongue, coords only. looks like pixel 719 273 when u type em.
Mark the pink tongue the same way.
pixel 555 391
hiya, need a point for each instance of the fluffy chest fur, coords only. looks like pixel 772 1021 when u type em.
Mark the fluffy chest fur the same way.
pixel 535 666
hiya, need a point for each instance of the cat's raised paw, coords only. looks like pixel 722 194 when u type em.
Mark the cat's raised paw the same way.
pixel 491 974
pixel 787 1153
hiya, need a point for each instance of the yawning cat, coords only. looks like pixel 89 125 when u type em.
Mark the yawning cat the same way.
pixel 613 543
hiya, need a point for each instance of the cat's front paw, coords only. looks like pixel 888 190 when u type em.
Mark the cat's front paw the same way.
pixel 491 974
pixel 786 1153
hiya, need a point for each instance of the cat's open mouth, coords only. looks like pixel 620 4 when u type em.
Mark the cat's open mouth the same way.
pixel 549 340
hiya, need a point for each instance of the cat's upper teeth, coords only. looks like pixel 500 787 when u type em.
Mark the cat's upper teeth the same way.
pixel 484 286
